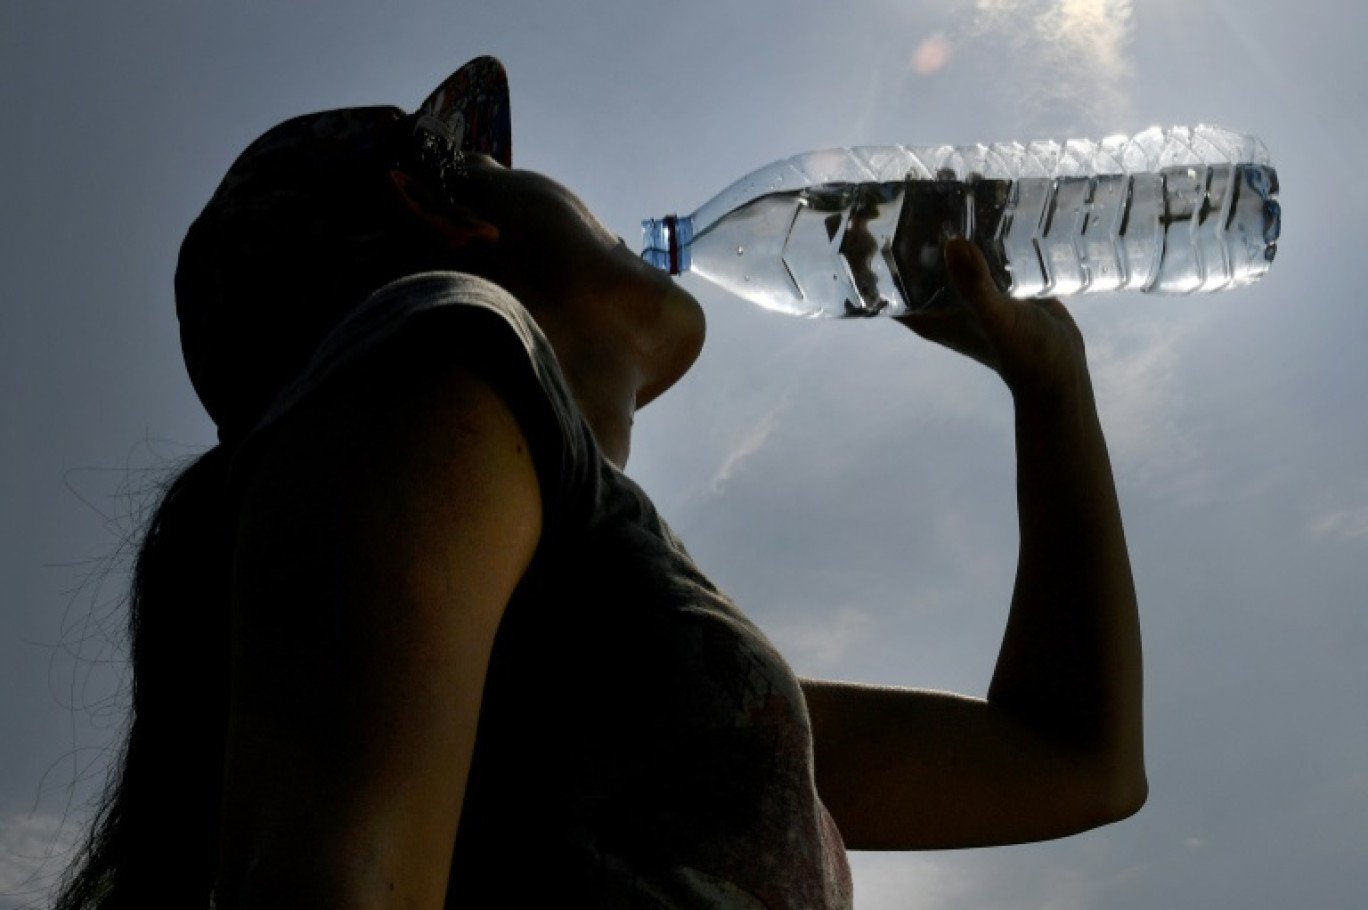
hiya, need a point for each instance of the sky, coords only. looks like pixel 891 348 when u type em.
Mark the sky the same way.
pixel 849 485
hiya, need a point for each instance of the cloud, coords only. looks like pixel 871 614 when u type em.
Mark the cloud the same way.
pixel 1341 524
pixel 821 644
pixel 31 846
pixel 903 881
pixel 747 446
pixel 976 880
pixel 1076 50
pixel 1135 365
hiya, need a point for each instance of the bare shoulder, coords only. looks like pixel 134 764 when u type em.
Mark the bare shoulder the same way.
pixel 403 418
pixel 384 530
pixel 420 454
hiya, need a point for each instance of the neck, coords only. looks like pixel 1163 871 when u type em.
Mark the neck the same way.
pixel 607 398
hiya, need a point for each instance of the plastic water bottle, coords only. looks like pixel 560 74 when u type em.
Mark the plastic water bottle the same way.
pixel 859 232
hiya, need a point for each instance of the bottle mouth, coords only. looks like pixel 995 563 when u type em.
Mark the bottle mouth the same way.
pixel 665 243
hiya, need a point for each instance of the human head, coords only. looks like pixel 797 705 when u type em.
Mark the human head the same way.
pixel 305 224
pixel 326 208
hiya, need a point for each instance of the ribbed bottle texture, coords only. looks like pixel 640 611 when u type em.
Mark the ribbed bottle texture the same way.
pixel 858 232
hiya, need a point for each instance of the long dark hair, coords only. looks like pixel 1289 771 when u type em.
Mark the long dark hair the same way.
pixel 155 837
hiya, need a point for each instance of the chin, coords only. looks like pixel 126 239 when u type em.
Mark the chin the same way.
pixel 684 330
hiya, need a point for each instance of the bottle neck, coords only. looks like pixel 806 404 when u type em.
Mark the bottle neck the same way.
pixel 665 243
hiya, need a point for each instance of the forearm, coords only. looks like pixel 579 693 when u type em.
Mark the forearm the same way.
pixel 1070 663
pixel 1057 747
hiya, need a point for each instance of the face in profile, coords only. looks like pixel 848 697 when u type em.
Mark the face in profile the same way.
pixel 601 306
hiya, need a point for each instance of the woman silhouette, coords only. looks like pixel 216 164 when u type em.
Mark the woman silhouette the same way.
pixel 408 637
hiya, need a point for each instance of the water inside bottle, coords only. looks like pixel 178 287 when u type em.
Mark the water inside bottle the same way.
pixel 847 249
pixel 816 251
pixel 1179 230
pixel 869 249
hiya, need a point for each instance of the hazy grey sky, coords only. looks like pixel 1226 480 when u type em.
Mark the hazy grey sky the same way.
pixel 849 485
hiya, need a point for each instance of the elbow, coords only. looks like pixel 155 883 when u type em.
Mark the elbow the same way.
pixel 1116 773
pixel 1126 797
pixel 1129 782
pixel 1098 804
pixel 1119 794
pixel 1101 792
pixel 1135 794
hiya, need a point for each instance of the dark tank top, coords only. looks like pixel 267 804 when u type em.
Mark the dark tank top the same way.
pixel 641 743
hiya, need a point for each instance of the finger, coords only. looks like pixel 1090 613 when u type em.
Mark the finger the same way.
pixel 924 324
pixel 970 274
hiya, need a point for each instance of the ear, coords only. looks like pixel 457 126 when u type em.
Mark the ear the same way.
pixel 459 225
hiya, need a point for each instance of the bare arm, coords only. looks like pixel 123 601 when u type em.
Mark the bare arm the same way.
pixel 384 532
pixel 1056 747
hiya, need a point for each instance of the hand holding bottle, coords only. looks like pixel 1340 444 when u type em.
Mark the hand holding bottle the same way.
pixel 1033 343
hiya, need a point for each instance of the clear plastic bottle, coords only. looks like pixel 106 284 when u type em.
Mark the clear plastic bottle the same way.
pixel 858 232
